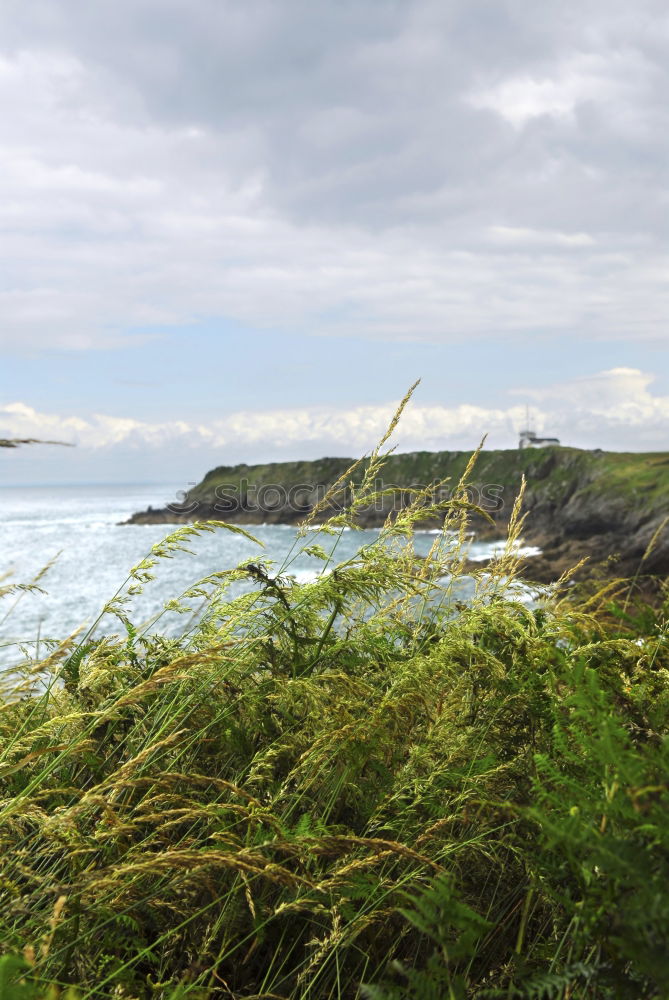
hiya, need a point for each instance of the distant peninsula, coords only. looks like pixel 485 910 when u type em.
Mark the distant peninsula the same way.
pixel 607 506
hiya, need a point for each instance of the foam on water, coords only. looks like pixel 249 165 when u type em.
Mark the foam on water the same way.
pixel 492 550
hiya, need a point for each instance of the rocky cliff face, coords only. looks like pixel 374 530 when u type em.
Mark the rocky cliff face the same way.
pixel 604 505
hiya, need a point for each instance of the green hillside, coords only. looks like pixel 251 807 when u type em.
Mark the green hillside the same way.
pixel 554 476
pixel 628 473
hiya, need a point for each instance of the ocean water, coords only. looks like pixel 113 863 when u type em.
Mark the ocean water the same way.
pixel 76 528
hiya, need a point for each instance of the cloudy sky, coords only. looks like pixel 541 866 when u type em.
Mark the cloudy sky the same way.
pixel 239 229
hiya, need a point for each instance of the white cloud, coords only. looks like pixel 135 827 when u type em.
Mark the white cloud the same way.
pixel 586 77
pixel 611 409
pixel 603 392
pixel 534 237
pixel 521 99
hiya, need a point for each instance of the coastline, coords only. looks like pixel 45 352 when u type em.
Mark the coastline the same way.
pixel 608 508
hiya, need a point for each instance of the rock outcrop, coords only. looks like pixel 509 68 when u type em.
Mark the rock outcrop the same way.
pixel 607 506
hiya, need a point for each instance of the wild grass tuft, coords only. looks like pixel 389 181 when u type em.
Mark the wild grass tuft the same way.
pixel 355 787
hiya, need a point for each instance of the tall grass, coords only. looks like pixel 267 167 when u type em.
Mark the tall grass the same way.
pixel 356 787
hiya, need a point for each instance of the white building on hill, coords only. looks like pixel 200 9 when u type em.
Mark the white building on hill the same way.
pixel 528 439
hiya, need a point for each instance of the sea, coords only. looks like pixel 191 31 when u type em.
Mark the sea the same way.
pixel 74 538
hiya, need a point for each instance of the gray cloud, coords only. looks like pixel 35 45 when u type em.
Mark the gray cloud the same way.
pixel 427 169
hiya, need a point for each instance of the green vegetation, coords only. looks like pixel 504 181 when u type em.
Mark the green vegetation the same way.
pixel 553 470
pixel 357 787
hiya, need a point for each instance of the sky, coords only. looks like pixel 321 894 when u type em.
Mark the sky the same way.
pixel 238 231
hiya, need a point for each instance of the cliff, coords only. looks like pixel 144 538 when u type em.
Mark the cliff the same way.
pixel 604 505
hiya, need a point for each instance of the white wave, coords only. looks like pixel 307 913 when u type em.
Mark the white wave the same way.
pixel 79 522
pixel 513 590
pixel 493 550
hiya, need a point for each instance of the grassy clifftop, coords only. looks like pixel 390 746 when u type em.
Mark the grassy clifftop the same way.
pixel 626 472
pixel 505 467
pixel 553 475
